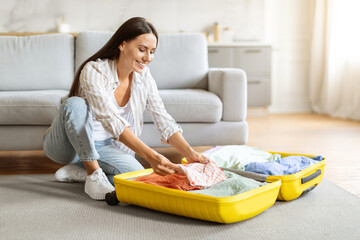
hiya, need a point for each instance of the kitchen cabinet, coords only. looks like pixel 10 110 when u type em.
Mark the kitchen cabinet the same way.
pixel 255 60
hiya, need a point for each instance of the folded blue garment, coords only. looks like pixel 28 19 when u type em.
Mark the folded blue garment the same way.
pixel 283 166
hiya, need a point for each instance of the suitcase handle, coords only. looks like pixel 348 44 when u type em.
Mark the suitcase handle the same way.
pixel 311 177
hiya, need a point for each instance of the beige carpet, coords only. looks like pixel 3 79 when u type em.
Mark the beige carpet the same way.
pixel 37 207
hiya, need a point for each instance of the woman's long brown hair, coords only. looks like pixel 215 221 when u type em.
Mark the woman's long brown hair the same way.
pixel 127 31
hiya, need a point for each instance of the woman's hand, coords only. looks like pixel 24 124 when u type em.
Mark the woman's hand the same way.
pixel 183 147
pixel 162 166
pixel 194 156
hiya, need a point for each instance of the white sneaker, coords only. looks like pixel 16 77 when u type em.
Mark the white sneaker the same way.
pixel 97 185
pixel 71 173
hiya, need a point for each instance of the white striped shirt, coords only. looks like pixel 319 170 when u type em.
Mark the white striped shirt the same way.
pixel 99 131
pixel 98 81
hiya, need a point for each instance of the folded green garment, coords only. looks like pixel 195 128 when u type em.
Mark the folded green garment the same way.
pixel 238 156
pixel 234 184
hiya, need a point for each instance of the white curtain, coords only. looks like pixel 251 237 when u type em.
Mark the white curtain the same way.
pixel 335 58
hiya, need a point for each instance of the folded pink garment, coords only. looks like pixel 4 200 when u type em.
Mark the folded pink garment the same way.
pixel 197 176
pixel 203 175
pixel 176 181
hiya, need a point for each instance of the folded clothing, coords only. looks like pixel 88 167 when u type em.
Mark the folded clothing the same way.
pixel 203 174
pixel 238 156
pixel 196 176
pixel 174 181
pixel 233 185
pixel 283 166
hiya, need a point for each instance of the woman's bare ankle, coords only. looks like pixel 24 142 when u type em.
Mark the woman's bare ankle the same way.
pixel 91 166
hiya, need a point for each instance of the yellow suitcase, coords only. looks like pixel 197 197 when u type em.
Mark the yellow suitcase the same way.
pixel 216 209
pixel 294 185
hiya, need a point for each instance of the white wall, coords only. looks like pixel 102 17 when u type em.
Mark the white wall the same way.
pixel 284 23
pixel 288 27
pixel 245 17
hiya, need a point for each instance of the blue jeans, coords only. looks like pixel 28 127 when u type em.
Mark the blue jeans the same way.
pixel 70 141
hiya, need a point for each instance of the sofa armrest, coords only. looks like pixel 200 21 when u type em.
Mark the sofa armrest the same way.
pixel 230 85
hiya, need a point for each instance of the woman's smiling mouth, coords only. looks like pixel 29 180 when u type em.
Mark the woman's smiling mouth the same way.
pixel 142 65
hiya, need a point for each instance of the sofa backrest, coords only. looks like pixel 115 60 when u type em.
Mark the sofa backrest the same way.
pixel 87 44
pixel 181 59
pixel 37 62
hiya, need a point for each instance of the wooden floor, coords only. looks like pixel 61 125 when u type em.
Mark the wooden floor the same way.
pixel 337 140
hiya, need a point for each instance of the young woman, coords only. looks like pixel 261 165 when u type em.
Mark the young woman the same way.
pixel 98 127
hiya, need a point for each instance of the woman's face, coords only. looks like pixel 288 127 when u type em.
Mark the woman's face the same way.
pixel 139 52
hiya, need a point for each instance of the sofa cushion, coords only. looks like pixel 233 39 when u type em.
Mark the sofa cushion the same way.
pixel 36 62
pixel 29 107
pixel 190 105
pixel 181 59
pixel 88 43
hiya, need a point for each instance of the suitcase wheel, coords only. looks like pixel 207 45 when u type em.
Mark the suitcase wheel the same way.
pixel 111 198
